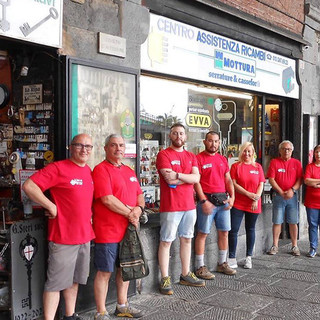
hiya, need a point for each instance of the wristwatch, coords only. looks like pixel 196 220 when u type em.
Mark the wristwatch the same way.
pixel 203 201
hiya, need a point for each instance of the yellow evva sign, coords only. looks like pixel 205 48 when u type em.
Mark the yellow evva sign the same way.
pixel 198 120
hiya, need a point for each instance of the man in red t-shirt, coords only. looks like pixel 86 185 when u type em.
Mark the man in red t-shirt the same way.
pixel 178 172
pixel 285 176
pixel 118 200
pixel 69 228
pixel 215 179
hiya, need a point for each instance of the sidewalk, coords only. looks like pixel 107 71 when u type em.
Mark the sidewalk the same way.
pixel 277 287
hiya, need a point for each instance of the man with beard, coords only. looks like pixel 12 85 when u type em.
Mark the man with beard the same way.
pixel 178 172
pixel 215 181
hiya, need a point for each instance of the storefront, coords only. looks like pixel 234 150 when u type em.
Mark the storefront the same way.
pixel 210 82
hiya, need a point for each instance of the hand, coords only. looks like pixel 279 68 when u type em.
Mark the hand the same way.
pixel 254 205
pixel 169 176
pixel 230 201
pixel 207 208
pixel 51 212
pixel 288 194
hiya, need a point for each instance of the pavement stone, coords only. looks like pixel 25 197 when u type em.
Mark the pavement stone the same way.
pixel 277 287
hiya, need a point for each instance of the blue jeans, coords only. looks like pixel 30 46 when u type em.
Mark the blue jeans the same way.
pixel 285 208
pixel 250 225
pixel 313 216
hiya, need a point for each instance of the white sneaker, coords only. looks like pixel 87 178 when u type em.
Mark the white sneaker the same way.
pixel 248 263
pixel 232 262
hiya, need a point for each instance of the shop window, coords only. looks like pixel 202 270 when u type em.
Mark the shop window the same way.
pixel 164 102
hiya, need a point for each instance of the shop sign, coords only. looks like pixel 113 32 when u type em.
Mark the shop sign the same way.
pixel 37 21
pixel 182 50
pixel 198 120
pixel 32 94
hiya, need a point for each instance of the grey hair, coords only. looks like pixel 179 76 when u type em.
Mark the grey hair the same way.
pixel 110 136
pixel 286 141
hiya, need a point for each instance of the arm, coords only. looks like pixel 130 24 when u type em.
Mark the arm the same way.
pixel 172 177
pixel 35 194
pixel 207 206
pixel 241 190
pixel 310 182
pixel 259 191
pixel 230 189
pixel 276 187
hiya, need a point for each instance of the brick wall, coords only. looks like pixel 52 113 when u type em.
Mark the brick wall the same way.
pixel 286 14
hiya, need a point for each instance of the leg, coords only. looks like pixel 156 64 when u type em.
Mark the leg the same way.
pixel 276 230
pixel 50 304
pixel 200 242
pixel 250 225
pixel 313 221
pixel 185 255
pixel 236 219
pixel 122 288
pixel 164 256
pixel 70 298
pixel 101 283
pixel 293 230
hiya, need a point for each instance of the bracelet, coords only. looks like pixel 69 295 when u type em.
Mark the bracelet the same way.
pixel 142 209
pixel 177 176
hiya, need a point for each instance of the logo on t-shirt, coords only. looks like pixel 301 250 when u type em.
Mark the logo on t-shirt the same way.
pixel 281 170
pixel 177 162
pixel 133 179
pixel 206 166
pixel 254 171
pixel 76 182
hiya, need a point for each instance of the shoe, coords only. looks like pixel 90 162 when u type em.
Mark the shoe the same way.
pixel 204 273
pixel 248 263
pixel 224 268
pixel 165 286
pixel 102 316
pixel 233 263
pixel 312 253
pixel 191 280
pixel 273 250
pixel 75 316
pixel 295 251
pixel 128 311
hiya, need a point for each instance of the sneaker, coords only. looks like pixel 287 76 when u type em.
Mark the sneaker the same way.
pixel 128 311
pixel 295 251
pixel 191 280
pixel 224 268
pixel 233 263
pixel 204 273
pixel 102 316
pixel 248 263
pixel 273 250
pixel 75 316
pixel 312 253
pixel 165 286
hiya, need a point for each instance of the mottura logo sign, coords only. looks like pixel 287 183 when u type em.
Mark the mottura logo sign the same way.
pixel 198 120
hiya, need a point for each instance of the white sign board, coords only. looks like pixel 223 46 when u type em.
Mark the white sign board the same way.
pixel 38 21
pixel 182 50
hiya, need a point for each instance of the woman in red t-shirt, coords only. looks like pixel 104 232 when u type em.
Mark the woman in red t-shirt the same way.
pixel 248 179
pixel 312 199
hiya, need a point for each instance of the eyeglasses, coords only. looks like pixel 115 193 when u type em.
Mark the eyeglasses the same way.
pixel 80 146
pixel 286 149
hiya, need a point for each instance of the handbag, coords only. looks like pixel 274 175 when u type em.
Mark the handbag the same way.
pixel 217 198
pixel 133 264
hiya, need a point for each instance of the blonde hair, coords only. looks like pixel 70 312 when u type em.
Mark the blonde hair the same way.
pixel 244 147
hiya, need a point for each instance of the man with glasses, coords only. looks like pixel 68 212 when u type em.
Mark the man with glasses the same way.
pixel 69 226
pixel 118 200
pixel 178 170
pixel 285 176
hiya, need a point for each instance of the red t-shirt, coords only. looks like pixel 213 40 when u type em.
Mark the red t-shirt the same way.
pixel 312 194
pixel 249 177
pixel 122 183
pixel 285 173
pixel 212 170
pixel 180 198
pixel 71 189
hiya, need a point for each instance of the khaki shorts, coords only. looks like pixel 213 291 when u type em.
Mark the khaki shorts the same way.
pixel 67 264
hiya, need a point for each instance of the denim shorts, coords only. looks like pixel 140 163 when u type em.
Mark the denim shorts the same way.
pixel 181 221
pixel 219 215
pixel 285 208
pixel 106 256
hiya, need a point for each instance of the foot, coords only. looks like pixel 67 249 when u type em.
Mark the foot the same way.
pixel 224 268
pixel 191 280
pixel 75 316
pixel 165 286
pixel 248 263
pixel 312 253
pixel 295 251
pixel 204 273
pixel 273 250
pixel 233 263
pixel 102 316
pixel 128 312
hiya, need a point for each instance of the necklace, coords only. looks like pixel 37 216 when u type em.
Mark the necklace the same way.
pixel 115 164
